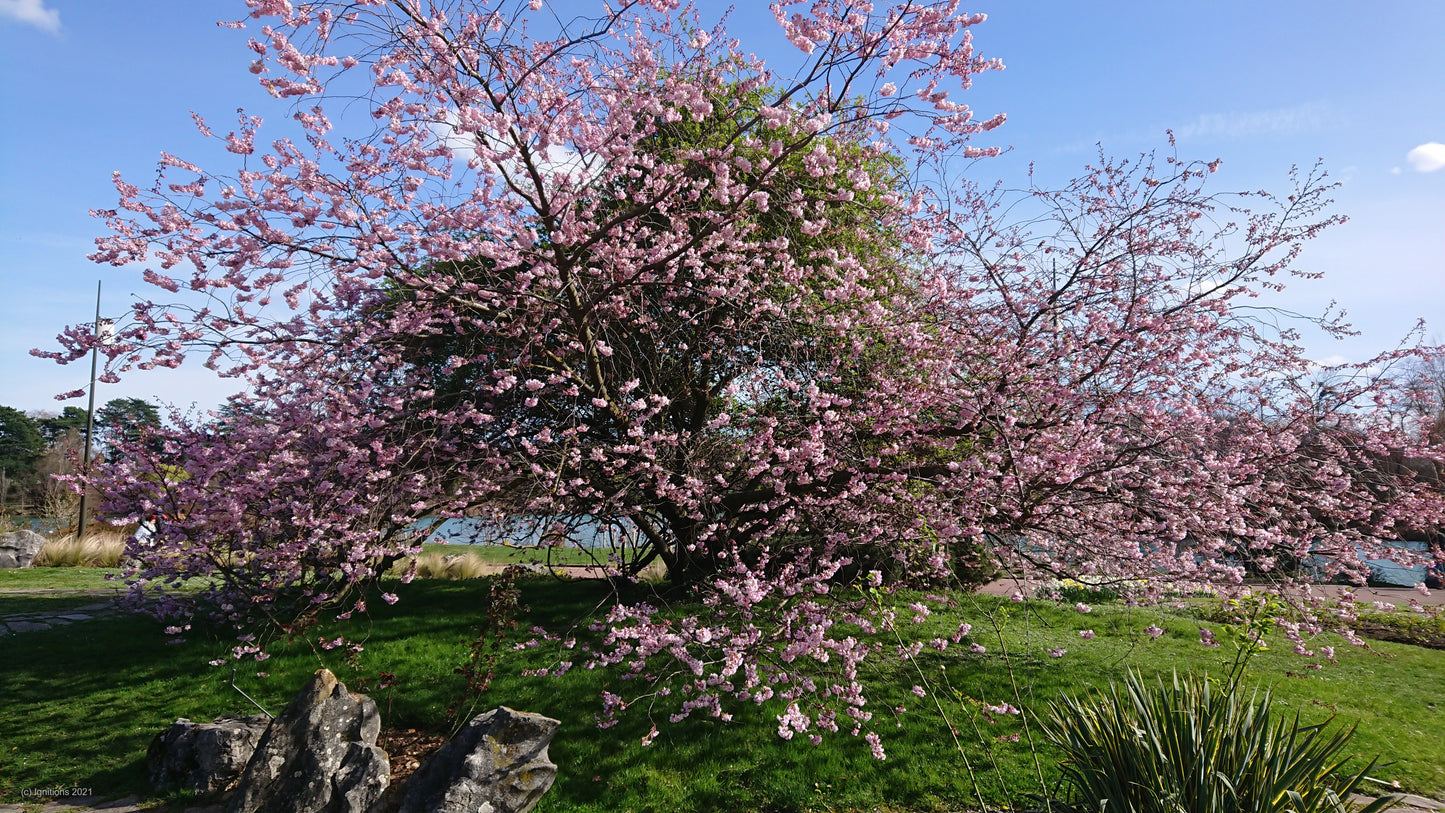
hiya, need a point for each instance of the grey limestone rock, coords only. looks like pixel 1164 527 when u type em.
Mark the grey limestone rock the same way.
pixel 204 757
pixel 19 548
pixel 497 764
pixel 318 756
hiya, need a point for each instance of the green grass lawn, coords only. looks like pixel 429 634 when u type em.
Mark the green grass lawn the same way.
pixel 511 554
pixel 61 578
pixel 82 703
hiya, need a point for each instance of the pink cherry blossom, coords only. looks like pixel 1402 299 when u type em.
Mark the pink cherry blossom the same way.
pixel 798 363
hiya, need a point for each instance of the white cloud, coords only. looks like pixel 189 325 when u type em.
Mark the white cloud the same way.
pixel 556 159
pixel 1282 121
pixel 33 12
pixel 1427 157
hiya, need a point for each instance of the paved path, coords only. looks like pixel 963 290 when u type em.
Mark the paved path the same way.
pixel 1409 804
pixel 30 622
pixel 129 804
pixel 1399 596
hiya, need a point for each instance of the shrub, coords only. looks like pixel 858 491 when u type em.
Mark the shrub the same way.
pixel 454 566
pixel 95 550
pixel 974 565
pixel 1195 747
pixel 1070 590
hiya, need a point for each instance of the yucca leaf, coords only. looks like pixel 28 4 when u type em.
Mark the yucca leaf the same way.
pixel 1192 747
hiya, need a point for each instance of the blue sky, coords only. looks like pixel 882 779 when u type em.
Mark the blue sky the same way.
pixel 91 86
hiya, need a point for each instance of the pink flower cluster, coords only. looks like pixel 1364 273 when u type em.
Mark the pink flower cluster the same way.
pixel 638 277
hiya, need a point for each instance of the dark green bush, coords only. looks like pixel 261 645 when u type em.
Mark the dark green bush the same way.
pixel 1069 590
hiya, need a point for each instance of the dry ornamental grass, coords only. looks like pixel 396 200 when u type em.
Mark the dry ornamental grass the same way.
pixel 95 550
pixel 450 566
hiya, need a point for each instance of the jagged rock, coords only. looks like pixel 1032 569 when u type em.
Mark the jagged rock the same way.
pixel 497 764
pixel 204 757
pixel 318 756
pixel 19 548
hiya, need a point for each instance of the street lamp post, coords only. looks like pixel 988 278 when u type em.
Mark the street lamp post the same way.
pixel 102 336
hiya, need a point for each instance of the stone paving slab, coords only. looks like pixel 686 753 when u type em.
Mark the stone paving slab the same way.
pixel 78 804
pixel 1401 597
pixel 25 626
pixel 33 622
pixel 1408 803
pixel 130 804
pixel 127 805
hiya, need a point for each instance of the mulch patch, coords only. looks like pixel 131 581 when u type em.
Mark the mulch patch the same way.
pixel 1429 639
pixel 408 749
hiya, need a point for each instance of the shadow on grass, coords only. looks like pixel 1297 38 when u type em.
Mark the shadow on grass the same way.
pixel 83 702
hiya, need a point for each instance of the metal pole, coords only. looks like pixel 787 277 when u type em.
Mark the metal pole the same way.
pixel 89 418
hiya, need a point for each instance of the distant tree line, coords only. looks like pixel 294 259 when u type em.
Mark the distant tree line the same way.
pixel 37 446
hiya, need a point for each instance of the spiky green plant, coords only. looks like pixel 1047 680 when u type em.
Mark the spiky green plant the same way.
pixel 1197 747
